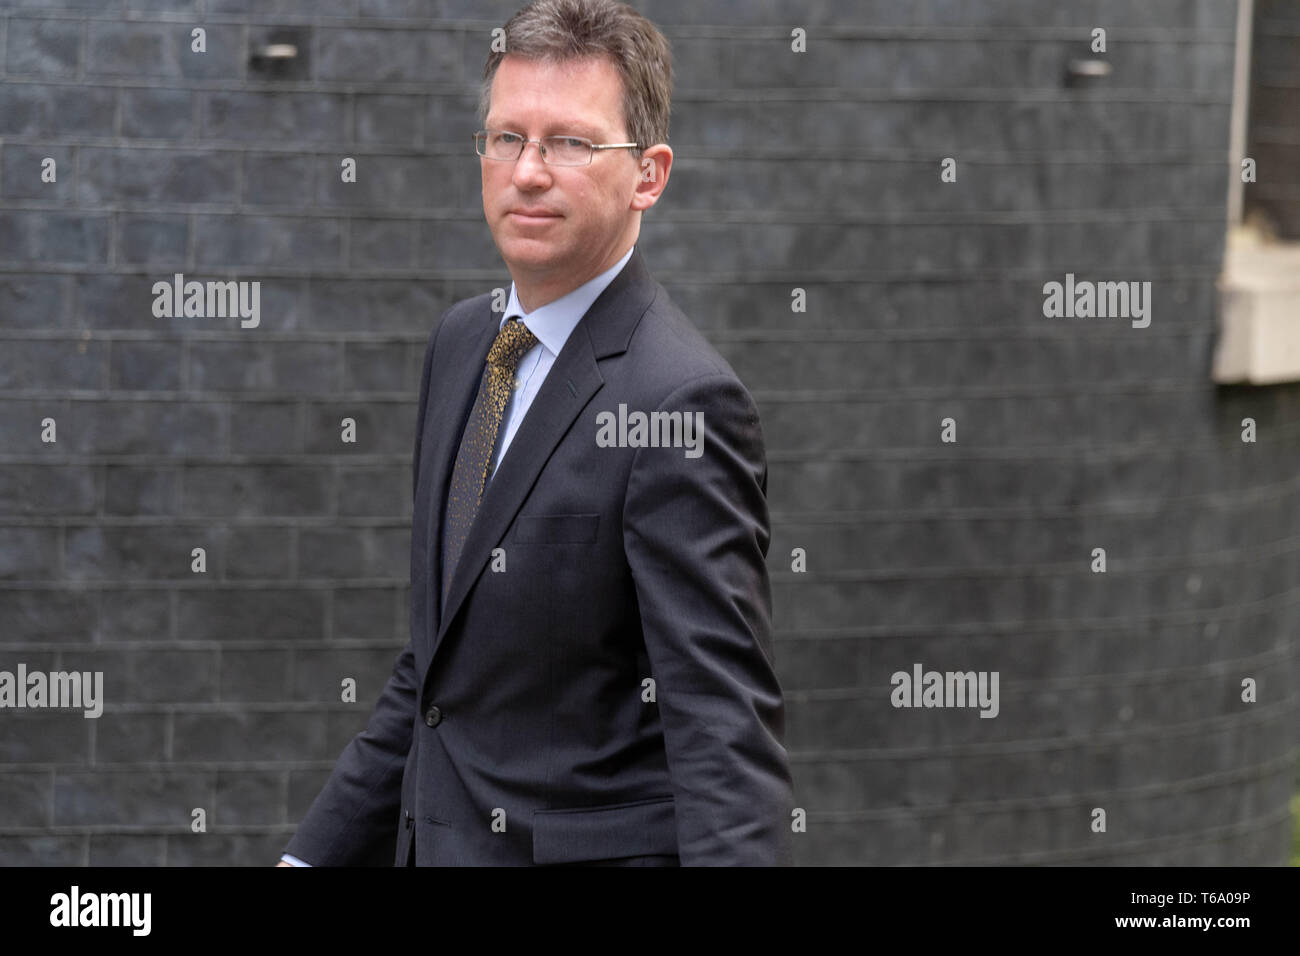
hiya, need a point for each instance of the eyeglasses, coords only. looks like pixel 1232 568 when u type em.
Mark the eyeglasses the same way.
pixel 556 150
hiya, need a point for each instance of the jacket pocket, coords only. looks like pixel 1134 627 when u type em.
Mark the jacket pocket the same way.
pixel 640 828
pixel 556 529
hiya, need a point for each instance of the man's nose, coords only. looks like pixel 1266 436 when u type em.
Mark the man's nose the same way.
pixel 529 166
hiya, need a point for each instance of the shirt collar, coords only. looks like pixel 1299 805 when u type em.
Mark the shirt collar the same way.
pixel 552 323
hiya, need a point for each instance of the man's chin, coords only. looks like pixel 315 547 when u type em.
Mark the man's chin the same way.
pixel 530 254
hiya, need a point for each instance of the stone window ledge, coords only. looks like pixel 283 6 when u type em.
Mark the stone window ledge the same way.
pixel 1259 312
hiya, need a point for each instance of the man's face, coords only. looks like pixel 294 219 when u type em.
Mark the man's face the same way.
pixel 586 211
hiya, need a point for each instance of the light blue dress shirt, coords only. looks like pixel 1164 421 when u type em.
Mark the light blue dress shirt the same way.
pixel 552 324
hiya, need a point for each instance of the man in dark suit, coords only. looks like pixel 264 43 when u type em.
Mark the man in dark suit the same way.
pixel 589 674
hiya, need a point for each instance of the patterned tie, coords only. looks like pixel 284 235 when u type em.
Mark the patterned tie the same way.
pixel 475 455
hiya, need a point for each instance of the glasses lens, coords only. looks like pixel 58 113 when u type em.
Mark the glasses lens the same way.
pixel 496 144
pixel 567 150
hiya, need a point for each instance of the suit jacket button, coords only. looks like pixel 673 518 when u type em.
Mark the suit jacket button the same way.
pixel 433 716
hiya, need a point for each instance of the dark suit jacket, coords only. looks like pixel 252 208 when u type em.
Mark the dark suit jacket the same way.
pixel 515 728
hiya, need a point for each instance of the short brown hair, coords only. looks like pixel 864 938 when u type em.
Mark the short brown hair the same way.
pixel 560 30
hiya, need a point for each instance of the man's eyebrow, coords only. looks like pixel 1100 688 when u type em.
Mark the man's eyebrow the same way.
pixel 577 129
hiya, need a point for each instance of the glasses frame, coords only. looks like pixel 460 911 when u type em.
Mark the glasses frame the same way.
pixel 541 147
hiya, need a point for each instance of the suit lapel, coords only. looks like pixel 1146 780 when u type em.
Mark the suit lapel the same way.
pixel 448 411
pixel 604 330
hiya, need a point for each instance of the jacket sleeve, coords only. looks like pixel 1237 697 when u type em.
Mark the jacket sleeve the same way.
pixel 696 532
pixel 354 819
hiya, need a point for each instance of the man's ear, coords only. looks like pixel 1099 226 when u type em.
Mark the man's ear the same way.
pixel 655 164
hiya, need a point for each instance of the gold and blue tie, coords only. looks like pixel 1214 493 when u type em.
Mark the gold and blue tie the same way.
pixel 469 476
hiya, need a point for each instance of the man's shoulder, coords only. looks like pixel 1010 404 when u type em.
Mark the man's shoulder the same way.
pixel 465 312
pixel 670 351
pixel 665 351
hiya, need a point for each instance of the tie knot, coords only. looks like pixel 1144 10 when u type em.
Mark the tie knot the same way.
pixel 511 343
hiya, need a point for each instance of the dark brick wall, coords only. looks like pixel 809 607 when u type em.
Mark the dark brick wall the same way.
pixel 818 171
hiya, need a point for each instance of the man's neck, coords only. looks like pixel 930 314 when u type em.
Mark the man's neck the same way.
pixel 533 293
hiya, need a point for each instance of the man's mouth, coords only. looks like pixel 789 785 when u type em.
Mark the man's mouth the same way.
pixel 533 215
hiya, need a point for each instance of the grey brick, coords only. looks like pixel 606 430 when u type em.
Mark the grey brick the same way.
pixel 378 367
pixel 223 241
pixel 22 424
pixel 395 182
pixel 130 738
pixel 150 675
pixel 145 366
pixel 274 117
pixel 699 63
pixel 318 674
pixel 26 798
pixel 132 490
pixel 42 850
pixel 44 736
pixel 150 553
pixel 249 735
pixel 451 119
pixel 771 62
pixel 222 58
pixel 54 365
pixel 42 47
pixel 254 675
pixel 381 491
pixel 161 175
pixel 33 300
pixel 230 367
pixel 313 8
pixel 144 427
pixel 383 244
pixel 377 305
pixel 257 554
pixel 123 302
pixel 389 119
pixel 371 614
pixel 46 489
pixel 158 240
pixel 125 849
pixel 50 236
pixel 163 6
pixel 265 428
pixel 46 615
pixel 380 428
pixel 135 48
pixel 213 615
pixel 153 113
pixel 354 552
pixel 247 490
pixel 249 797
pixel 30 554
pixel 310 367
pixel 133 616
pixel 129 797
pixel 371 55
pixel 454 245
pixel 250 365
pixel 35 110
pixel 23 174
pixel 220 849
pixel 278 179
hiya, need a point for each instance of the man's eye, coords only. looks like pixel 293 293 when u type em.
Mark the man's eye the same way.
pixel 508 137
pixel 574 141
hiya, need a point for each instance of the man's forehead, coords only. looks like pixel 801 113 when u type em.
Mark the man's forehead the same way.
pixel 580 114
